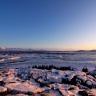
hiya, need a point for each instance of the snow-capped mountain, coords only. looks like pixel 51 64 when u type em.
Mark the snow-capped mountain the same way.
pixel 2 48
pixel 14 49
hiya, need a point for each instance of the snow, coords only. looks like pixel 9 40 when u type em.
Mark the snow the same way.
pixel 2 89
pixel 2 48
pixel 13 58
pixel 34 81
pixel 1 60
pixel 25 87
pixel 66 90
pixel 22 79
pixel 74 59
pixel 21 95
pixel 92 92
pixel 1 78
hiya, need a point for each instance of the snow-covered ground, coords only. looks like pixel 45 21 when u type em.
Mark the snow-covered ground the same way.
pixel 48 74
pixel 35 81
pixel 75 59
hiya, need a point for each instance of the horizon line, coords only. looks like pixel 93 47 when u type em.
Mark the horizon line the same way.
pixel 46 49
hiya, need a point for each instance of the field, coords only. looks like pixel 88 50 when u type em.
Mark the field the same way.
pixel 46 73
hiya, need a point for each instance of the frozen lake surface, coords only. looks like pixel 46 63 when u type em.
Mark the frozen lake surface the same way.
pixel 76 59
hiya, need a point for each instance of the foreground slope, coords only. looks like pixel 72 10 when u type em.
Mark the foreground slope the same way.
pixel 46 81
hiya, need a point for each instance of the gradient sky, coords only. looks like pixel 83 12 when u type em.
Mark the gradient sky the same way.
pixel 48 24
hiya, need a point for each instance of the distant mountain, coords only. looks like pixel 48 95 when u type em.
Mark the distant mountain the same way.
pixel 2 48
pixel 29 49
pixel 15 49
pixel 18 49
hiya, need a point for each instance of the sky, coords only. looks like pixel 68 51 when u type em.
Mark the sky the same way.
pixel 48 24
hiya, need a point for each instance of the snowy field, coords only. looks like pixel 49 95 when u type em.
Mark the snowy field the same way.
pixel 46 74
pixel 74 59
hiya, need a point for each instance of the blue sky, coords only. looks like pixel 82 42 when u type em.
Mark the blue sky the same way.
pixel 48 24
